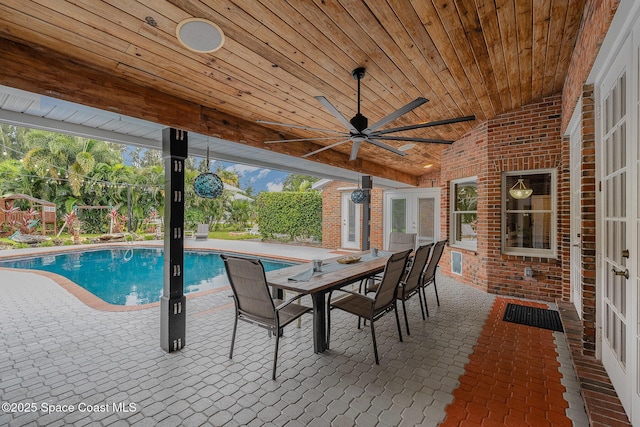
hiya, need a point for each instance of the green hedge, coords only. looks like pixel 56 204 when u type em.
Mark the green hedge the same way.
pixel 296 214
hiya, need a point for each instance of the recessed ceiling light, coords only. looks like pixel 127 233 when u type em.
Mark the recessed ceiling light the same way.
pixel 200 35
pixel 428 166
pixel 406 147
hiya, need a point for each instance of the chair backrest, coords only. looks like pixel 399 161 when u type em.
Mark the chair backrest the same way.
pixel 401 241
pixel 420 259
pixel 250 290
pixel 393 271
pixel 430 272
pixel 203 228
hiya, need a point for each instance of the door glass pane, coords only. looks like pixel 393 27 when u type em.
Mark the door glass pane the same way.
pixel 426 221
pixel 399 215
pixel 352 221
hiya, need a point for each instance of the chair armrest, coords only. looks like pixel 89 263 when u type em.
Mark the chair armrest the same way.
pixel 357 294
pixel 287 302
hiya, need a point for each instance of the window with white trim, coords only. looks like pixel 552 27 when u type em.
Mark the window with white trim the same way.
pixel 529 213
pixel 464 213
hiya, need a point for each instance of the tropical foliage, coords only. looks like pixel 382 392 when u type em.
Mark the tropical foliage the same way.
pixel 90 179
pixel 92 186
pixel 295 215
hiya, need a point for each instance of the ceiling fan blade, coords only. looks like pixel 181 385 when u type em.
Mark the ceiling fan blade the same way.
pixel 343 135
pixel 410 139
pixel 386 147
pixel 400 112
pixel 337 114
pixel 326 148
pixel 424 125
pixel 288 125
pixel 354 149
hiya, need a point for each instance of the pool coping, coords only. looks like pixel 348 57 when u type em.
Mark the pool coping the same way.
pixel 98 303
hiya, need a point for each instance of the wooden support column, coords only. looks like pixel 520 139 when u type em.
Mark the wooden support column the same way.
pixel 172 303
pixel 367 185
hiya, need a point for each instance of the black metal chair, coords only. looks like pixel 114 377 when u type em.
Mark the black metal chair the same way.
pixel 374 308
pixel 429 276
pixel 254 303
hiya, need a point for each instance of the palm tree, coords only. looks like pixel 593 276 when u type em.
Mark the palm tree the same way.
pixel 61 156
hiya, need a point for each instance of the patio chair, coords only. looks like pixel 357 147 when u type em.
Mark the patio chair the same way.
pixel 203 232
pixel 401 241
pixel 374 308
pixel 429 276
pixel 410 285
pixel 254 303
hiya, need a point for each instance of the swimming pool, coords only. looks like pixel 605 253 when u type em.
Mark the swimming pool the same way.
pixel 132 276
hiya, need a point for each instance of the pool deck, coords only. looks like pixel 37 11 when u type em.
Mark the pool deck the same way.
pixel 462 366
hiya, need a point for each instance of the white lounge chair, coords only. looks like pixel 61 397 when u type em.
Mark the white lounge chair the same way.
pixel 203 232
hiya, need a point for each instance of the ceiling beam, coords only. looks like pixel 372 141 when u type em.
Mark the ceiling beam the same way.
pixel 50 74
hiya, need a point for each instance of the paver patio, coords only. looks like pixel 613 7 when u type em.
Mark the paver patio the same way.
pixel 58 351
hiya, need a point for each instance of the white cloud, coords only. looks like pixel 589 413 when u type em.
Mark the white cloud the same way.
pixel 274 186
pixel 241 169
pixel 263 173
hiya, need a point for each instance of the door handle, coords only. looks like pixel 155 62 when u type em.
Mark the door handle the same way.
pixel 624 273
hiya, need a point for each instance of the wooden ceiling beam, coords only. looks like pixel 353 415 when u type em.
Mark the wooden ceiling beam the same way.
pixel 50 74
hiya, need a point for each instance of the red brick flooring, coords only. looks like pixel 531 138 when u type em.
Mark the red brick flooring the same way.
pixel 600 398
pixel 512 377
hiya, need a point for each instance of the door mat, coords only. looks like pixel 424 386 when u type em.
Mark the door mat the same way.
pixel 533 316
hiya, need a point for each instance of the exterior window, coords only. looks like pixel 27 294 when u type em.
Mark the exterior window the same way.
pixel 529 219
pixel 464 213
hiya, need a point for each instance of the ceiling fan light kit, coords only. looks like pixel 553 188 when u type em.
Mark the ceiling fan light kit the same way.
pixel 358 129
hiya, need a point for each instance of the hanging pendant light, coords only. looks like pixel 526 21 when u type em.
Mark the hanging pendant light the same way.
pixel 520 191
pixel 359 196
pixel 208 185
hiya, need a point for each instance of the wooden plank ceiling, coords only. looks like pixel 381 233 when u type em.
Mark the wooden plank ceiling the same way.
pixel 481 58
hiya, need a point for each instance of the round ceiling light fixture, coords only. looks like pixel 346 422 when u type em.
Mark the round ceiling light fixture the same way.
pixel 200 35
pixel 406 147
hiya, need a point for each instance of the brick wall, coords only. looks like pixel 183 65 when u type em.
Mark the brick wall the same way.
pixel 596 20
pixel 588 226
pixel 465 158
pixel 332 214
pixel 524 139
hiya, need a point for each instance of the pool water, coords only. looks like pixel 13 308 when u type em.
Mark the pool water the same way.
pixel 132 276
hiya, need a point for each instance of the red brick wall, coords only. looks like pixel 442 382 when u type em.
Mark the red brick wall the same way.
pixel 332 214
pixel 588 227
pixel 523 139
pixel 596 20
pixel 465 158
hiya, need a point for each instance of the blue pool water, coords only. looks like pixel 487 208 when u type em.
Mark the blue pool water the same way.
pixel 132 276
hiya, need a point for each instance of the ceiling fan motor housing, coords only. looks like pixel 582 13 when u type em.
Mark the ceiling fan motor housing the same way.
pixel 359 122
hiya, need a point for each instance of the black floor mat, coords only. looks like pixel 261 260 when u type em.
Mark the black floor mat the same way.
pixel 533 316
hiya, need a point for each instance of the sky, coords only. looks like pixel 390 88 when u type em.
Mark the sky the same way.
pixel 260 179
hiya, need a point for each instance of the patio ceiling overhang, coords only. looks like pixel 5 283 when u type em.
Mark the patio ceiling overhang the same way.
pixel 468 58
pixel 35 111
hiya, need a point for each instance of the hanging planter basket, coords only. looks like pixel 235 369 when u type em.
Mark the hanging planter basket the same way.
pixel 359 196
pixel 208 185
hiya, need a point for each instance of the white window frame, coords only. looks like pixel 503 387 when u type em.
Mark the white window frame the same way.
pixel 452 239
pixel 552 252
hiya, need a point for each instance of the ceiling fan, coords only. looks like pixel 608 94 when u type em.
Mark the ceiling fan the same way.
pixel 358 129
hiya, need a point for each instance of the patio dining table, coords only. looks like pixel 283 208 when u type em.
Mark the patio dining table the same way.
pixel 302 279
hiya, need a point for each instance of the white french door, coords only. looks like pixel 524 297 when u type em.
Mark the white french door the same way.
pixel 618 226
pixel 413 211
pixel 350 234
pixel 576 211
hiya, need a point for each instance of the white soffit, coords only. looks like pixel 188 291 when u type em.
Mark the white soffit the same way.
pixel 31 110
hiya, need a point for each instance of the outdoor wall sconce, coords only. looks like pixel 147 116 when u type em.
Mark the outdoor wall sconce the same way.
pixel 520 191
pixel 208 185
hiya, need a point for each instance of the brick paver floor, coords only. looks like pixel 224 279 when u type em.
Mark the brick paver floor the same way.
pixel 108 368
